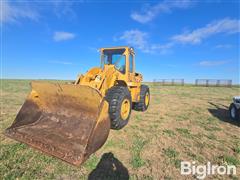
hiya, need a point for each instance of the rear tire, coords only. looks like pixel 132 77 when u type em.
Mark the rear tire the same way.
pixel 120 105
pixel 144 101
pixel 234 112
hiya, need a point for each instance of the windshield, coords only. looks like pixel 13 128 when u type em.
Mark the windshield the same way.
pixel 115 57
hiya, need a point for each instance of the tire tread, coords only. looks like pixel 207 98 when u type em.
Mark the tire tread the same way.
pixel 114 96
pixel 140 106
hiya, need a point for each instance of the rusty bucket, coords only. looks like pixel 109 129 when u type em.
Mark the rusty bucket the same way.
pixel 63 120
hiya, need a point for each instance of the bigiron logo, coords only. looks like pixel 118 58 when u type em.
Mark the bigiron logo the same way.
pixel 202 171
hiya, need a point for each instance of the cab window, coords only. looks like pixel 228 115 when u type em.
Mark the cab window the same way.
pixel 115 57
pixel 131 63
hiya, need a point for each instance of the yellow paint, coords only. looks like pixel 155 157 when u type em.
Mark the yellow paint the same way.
pixel 104 78
pixel 44 94
pixel 125 109
pixel 147 99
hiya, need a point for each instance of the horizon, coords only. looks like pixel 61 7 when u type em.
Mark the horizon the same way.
pixel 167 82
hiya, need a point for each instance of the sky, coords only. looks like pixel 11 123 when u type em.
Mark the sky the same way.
pixel 172 39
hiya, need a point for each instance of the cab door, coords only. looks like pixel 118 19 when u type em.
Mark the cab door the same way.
pixel 133 84
pixel 131 67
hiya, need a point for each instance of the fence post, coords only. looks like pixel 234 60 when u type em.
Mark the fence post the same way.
pixel 207 82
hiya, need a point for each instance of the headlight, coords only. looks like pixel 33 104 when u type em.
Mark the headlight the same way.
pixel 98 78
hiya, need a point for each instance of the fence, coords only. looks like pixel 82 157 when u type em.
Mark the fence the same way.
pixel 198 82
pixel 213 82
pixel 168 82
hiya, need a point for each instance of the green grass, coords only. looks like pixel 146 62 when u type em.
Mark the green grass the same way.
pixel 212 128
pixel 169 132
pixel 182 117
pixel 17 157
pixel 91 162
pixel 172 154
pixel 21 161
pixel 167 178
pixel 211 136
pixel 195 157
pixel 237 149
pixel 231 160
pixel 137 147
pixel 110 143
pixel 138 117
pixel 184 132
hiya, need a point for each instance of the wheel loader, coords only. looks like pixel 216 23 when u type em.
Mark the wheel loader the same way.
pixel 72 121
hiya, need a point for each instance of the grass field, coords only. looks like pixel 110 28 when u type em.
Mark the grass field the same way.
pixel 182 123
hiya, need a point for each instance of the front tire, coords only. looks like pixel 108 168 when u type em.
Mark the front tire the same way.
pixel 120 105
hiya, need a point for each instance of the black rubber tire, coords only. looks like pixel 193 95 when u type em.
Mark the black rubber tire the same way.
pixel 115 97
pixel 237 113
pixel 141 106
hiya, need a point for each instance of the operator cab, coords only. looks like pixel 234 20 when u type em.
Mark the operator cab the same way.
pixel 121 57
pixel 114 57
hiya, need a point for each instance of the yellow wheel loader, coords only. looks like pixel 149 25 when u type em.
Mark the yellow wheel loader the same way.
pixel 72 121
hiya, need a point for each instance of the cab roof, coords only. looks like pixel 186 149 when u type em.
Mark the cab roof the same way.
pixel 118 47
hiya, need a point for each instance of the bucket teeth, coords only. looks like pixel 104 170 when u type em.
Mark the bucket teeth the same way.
pixel 63 120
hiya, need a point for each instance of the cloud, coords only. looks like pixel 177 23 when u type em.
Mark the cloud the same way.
pixel 213 63
pixel 227 26
pixel 150 12
pixel 140 40
pixel 64 8
pixel 63 36
pixel 60 62
pixel 135 38
pixel 93 49
pixel 13 13
pixel 223 46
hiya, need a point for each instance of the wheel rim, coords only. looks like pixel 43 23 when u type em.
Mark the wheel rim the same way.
pixel 147 99
pixel 125 109
pixel 233 112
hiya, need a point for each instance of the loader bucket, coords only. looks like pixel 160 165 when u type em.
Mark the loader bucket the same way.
pixel 63 120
